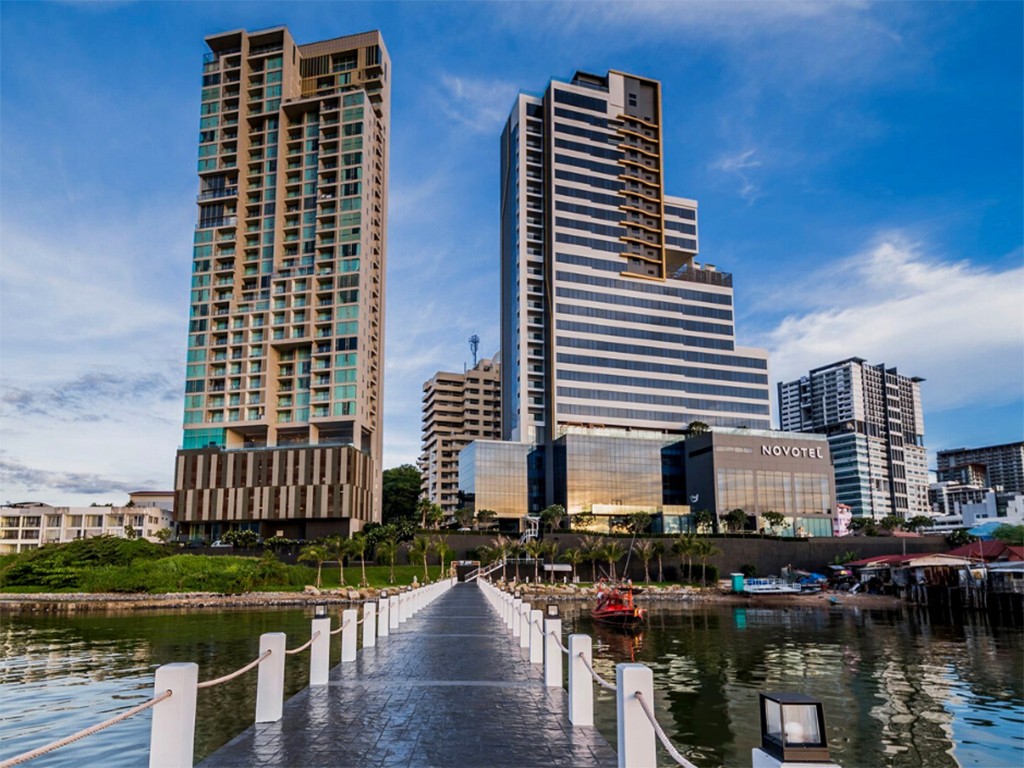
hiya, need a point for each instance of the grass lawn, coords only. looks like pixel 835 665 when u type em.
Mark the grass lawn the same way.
pixel 377 575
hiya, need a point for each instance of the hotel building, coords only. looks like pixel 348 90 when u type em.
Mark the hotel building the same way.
pixel 458 408
pixel 283 394
pixel 873 419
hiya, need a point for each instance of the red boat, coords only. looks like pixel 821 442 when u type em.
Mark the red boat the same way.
pixel 615 606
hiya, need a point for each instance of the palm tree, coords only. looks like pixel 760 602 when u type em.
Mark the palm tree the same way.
pixel 684 547
pixel 500 548
pixel 551 550
pixel 535 549
pixel 591 548
pixel 705 549
pixel 387 550
pixel 443 551
pixel 315 553
pixel 659 552
pixel 357 546
pixel 611 553
pixel 574 556
pixel 419 549
pixel 424 507
pixel 514 550
pixel 645 551
pixel 338 549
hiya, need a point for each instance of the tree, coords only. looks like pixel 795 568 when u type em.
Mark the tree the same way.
pixel 552 516
pixel 400 487
pixel 485 518
pixel 696 428
pixel 659 552
pixel 891 523
pixel 500 546
pixel 638 523
pixel 773 520
pixel 164 535
pixel 574 556
pixel 703 520
pixel 591 548
pixel 419 551
pixel 611 553
pixel 645 551
pixel 736 520
pixel 684 547
pixel 515 549
pixel 1010 534
pixel 357 546
pixel 129 532
pixel 846 557
pixel 387 551
pixel 864 525
pixel 464 517
pixel 917 522
pixel 315 553
pixel 959 537
pixel 423 510
pixel 703 550
pixel 535 549
pixel 551 551
pixel 581 520
pixel 337 548
pixel 443 551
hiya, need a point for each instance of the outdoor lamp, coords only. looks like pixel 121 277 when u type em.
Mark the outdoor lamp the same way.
pixel 553 610
pixel 383 594
pixel 320 611
pixel 793 728
pixel 518 594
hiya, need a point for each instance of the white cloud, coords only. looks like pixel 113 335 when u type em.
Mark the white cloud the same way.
pixel 740 164
pixel 480 105
pixel 956 324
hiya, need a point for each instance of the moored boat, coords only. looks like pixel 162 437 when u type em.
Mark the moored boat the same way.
pixel 615 606
pixel 769 586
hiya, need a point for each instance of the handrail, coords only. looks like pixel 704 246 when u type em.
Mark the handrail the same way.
pixel 304 646
pixel 339 629
pixel 238 672
pixel 558 640
pixel 669 747
pixel 39 751
pixel 597 678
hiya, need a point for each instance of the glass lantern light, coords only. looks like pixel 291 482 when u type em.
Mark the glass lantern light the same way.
pixel 793 728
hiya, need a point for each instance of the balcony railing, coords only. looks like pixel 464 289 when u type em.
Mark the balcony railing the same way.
pixel 212 194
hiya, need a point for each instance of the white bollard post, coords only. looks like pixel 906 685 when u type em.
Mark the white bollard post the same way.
pixel 369 624
pixel 393 612
pixel 517 616
pixel 383 617
pixel 524 625
pixel 581 686
pixel 348 634
pixel 320 652
pixel 552 653
pixel 403 607
pixel 536 637
pixel 270 678
pixel 172 734
pixel 637 747
pixel 506 608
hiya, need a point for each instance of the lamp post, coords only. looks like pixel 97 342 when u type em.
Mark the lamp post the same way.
pixel 792 732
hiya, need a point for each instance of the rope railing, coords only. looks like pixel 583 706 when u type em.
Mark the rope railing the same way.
pixel 304 646
pixel 558 639
pixel 597 678
pixel 339 629
pixel 31 755
pixel 669 747
pixel 237 673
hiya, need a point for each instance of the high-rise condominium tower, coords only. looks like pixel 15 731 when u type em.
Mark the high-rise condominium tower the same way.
pixel 608 319
pixel 995 466
pixel 875 426
pixel 284 380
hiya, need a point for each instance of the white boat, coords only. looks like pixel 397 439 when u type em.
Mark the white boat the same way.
pixel 769 586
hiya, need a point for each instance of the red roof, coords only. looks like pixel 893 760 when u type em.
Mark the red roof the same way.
pixel 989 551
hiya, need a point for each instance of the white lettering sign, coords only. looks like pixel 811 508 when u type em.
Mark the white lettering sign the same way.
pixel 794 451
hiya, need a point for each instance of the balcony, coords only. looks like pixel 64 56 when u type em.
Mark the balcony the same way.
pixel 213 194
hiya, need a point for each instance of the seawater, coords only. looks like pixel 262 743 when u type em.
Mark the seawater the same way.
pixel 900 688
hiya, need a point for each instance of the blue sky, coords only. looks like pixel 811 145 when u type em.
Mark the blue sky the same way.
pixel 858 166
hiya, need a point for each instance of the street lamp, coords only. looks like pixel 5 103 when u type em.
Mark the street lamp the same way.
pixel 552 610
pixel 320 611
pixel 793 728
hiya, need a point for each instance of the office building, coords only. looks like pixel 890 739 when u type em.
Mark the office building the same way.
pixel 457 409
pixel 875 427
pixel 609 321
pixel 994 466
pixel 283 398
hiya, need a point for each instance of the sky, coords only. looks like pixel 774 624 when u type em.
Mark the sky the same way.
pixel 858 167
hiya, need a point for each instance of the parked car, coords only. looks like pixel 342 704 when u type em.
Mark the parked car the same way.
pixel 219 543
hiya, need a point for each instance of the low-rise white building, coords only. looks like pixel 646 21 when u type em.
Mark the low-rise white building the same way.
pixel 31 524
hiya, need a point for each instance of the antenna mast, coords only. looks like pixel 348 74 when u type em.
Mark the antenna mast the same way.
pixel 474 345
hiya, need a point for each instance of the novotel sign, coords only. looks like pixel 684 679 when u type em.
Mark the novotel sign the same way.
pixel 790 450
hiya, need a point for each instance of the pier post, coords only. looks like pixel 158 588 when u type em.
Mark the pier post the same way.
pixel 581 687
pixel 348 634
pixel 383 617
pixel 270 678
pixel 552 653
pixel 524 625
pixel 320 652
pixel 393 612
pixel 517 616
pixel 536 637
pixel 636 743
pixel 172 734
pixel 369 624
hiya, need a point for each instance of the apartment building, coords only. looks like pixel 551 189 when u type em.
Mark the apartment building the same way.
pixel 458 408
pixel 874 422
pixel 994 466
pixel 30 525
pixel 283 393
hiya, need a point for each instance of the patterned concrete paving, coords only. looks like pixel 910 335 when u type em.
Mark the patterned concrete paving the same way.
pixel 450 688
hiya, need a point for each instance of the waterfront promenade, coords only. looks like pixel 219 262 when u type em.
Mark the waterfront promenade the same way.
pixel 449 688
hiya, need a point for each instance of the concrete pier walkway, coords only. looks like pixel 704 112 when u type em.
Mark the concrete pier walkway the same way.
pixel 450 687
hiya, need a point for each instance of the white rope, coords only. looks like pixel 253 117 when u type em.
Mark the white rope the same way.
pixel 301 648
pixel 236 673
pixel 31 755
pixel 673 752
pixel 336 631
pixel 597 678
pixel 558 640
